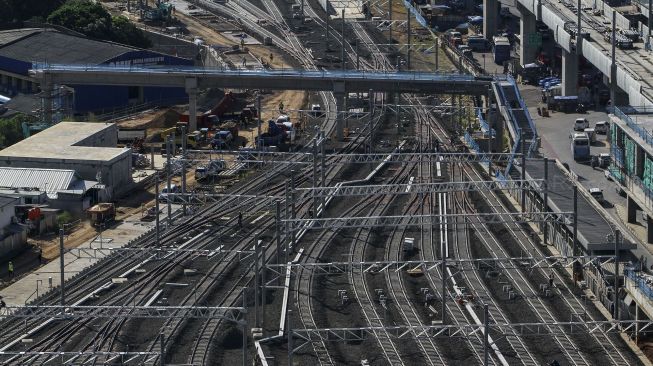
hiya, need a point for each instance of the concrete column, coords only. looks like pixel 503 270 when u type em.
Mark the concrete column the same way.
pixel 527 51
pixel 490 15
pixel 339 93
pixel 649 229
pixel 631 211
pixel 569 73
pixel 340 118
pixel 47 90
pixel 191 90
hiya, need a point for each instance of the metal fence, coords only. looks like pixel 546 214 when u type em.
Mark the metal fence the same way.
pixel 640 281
pixel 643 133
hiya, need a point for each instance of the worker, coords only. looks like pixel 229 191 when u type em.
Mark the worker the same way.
pixel 11 269
pixel 281 106
pixel 271 58
pixel 40 255
pixel 244 61
pixel 551 280
pixel 242 43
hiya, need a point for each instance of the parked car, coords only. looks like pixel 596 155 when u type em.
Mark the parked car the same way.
pixel 602 127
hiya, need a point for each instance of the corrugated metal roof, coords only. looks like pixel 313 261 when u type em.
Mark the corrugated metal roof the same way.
pixel 56 47
pixel 49 180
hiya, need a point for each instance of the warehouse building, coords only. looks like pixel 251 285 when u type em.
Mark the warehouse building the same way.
pixel 631 150
pixel 20 48
pixel 57 188
pixel 88 149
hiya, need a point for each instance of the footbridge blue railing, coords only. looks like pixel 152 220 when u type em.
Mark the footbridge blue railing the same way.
pixel 642 284
pixel 485 127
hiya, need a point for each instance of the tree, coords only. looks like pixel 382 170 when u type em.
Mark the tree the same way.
pixel 126 32
pixel 11 129
pixel 94 21
pixel 84 17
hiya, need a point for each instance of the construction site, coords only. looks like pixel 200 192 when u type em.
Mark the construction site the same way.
pixel 329 182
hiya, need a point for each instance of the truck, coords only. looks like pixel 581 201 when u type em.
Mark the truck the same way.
pixel 102 213
pixel 501 50
pixel 274 137
pixel 580 146
pixel 193 139
pixel 222 139
pixel 478 43
pixel 210 170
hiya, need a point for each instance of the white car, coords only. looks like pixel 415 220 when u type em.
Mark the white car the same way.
pixel 602 127
pixel 581 124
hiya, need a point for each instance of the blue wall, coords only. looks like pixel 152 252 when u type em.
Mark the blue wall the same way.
pixel 148 58
pixel 98 97
pixel 15 66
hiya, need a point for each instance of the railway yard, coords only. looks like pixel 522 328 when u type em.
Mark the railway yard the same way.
pixel 399 241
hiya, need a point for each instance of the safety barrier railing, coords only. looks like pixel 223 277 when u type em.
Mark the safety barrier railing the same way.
pixel 644 134
pixel 199 71
pixel 484 125
pixel 640 281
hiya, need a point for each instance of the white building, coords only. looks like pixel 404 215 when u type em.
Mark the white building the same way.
pixel 87 148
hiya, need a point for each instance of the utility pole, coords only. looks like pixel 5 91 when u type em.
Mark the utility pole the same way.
pixel 486 335
pixel 260 116
pixel 575 222
pixel 409 37
pixel 390 20
pixel 370 95
pixel 650 24
pixel 323 167
pixel 617 242
pixel 314 176
pixel 358 59
pixel 245 326
pixel 257 250
pixel 523 169
pixel 156 207
pixel 168 178
pixel 61 270
pixel 613 66
pixel 444 281
pixel 326 38
pixel 183 167
pixel 293 215
pixel 437 54
pixel 545 205
pixel 162 345
pixel 342 39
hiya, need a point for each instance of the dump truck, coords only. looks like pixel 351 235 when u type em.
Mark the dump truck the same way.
pixel 210 170
pixel 102 213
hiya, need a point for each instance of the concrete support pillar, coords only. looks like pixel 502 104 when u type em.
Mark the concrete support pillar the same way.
pixel 191 90
pixel 621 97
pixel 339 93
pixel 649 229
pixel 527 50
pixel 490 16
pixel 47 91
pixel 631 211
pixel 495 121
pixel 569 73
pixel 340 118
